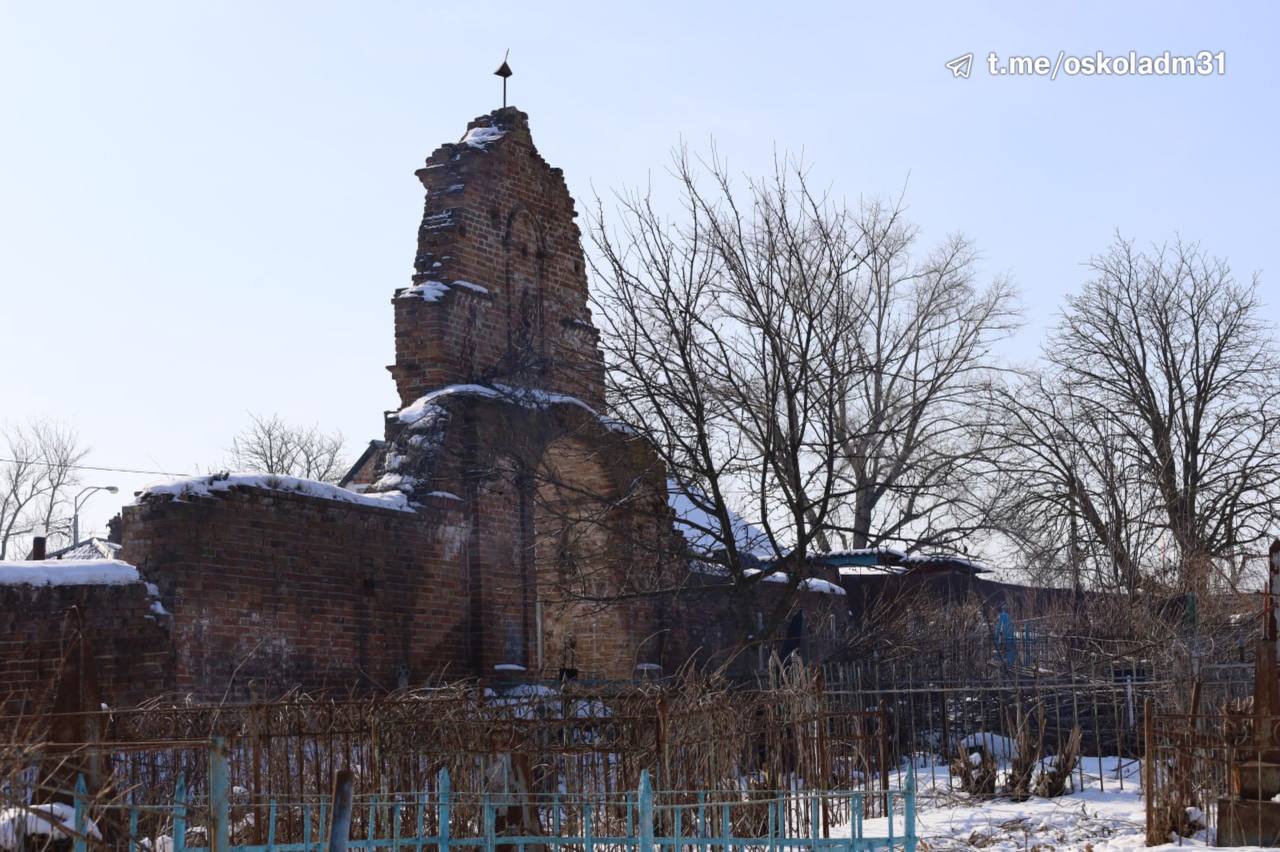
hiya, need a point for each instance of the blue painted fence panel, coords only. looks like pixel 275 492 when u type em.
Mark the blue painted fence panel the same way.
pixel 709 830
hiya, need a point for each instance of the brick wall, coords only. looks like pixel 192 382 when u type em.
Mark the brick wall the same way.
pixel 710 622
pixel 271 589
pixel 564 516
pixel 129 644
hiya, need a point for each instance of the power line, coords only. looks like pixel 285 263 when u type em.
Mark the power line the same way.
pixel 97 468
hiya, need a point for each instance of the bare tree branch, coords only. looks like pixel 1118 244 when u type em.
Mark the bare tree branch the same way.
pixel 270 445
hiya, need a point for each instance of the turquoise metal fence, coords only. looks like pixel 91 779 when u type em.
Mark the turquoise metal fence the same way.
pixel 442 820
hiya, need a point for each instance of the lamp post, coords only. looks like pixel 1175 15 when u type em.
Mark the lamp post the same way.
pixel 78 502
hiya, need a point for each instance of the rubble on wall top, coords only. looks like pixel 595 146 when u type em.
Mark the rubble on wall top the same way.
pixel 482 137
pixel 425 407
pixel 207 486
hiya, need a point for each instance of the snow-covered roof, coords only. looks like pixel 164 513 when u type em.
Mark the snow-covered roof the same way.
pixel 809 584
pixel 90 548
pixel 817 584
pixel 702 530
pixel 878 561
pixel 67 572
pixel 870 570
pixel 865 556
pixel 943 561
pixel 207 486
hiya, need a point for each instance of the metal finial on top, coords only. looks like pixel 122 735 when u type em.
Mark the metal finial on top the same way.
pixel 504 71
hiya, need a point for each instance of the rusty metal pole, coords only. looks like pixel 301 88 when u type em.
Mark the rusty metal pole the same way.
pixel 1273 586
pixel 1148 760
pixel 884 753
pixel 824 763
pixel 1273 595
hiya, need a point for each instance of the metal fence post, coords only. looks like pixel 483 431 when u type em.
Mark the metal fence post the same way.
pixel 489 822
pixel 180 815
pixel 271 826
pixel 81 827
pixel 644 831
pixel 443 810
pixel 1148 763
pixel 909 808
pixel 344 782
pixel 219 803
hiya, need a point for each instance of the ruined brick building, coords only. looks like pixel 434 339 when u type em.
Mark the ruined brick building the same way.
pixel 502 525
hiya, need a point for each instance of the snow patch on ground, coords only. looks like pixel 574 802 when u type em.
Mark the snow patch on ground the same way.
pixel 69 572
pixel 1106 815
pixel 995 746
pixel 207 486
pixel 54 820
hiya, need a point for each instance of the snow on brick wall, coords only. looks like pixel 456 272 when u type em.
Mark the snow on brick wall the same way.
pixel 67 572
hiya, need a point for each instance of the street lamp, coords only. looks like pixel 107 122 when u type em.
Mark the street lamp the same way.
pixel 78 502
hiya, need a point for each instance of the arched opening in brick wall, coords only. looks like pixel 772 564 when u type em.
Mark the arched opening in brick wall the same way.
pixel 597 557
pixel 524 273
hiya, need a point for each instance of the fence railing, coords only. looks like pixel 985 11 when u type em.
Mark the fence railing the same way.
pixel 581 741
pixel 1193 761
pixel 645 820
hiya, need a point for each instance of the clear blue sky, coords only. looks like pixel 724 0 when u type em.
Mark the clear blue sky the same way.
pixel 204 208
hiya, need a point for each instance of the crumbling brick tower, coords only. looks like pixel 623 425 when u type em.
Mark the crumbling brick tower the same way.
pixel 501 386
pixel 500 290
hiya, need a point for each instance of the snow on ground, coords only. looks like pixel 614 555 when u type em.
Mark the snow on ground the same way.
pixel 55 821
pixel 997 746
pixel 1107 815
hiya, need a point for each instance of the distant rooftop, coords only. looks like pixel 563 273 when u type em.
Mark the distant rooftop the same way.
pixel 889 560
pixel 91 548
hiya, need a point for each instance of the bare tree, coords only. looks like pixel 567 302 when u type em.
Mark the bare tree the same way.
pixel 1152 431
pixel 38 470
pixel 732 344
pixel 270 445
pixel 1067 497
pixel 914 429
